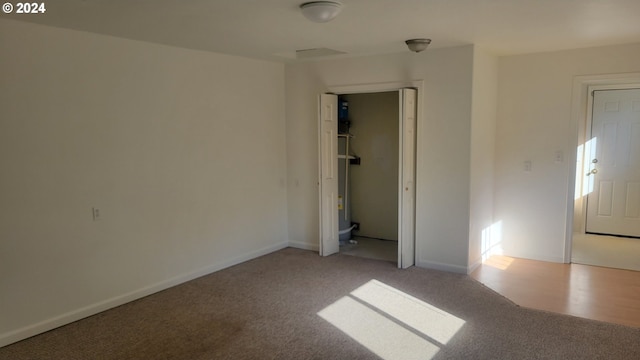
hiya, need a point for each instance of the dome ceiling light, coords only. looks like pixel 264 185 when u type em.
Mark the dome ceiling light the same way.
pixel 417 45
pixel 321 11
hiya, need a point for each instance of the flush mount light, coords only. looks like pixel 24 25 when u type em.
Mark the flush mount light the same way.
pixel 321 11
pixel 417 45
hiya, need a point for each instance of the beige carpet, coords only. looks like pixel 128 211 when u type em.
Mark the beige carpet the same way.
pixel 293 304
pixel 607 251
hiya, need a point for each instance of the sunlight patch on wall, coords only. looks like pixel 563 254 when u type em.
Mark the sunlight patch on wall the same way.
pixel 391 323
pixel 584 181
pixel 491 240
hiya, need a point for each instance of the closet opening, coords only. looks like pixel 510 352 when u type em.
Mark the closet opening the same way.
pixel 367 151
pixel 368 164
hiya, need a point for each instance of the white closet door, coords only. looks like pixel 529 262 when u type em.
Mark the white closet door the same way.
pixel 407 175
pixel 328 150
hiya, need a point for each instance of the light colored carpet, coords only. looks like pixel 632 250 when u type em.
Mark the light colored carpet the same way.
pixel 294 304
pixel 607 251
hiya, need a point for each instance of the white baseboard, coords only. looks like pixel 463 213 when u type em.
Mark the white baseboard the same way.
pixel 474 266
pixel 69 317
pixel 304 246
pixel 537 257
pixel 442 267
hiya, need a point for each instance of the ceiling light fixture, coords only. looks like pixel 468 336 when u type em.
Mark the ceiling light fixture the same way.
pixel 417 45
pixel 321 11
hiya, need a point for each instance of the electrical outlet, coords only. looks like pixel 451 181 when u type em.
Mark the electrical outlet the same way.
pixel 96 214
pixel 558 157
pixel 356 225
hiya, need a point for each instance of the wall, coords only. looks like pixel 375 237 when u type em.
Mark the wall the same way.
pixel 374 183
pixel 534 122
pixel 443 140
pixel 482 236
pixel 188 178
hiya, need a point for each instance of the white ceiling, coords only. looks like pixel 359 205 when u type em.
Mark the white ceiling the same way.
pixel 274 29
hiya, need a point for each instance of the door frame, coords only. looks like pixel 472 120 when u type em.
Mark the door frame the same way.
pixel 581 127
pixel 397 86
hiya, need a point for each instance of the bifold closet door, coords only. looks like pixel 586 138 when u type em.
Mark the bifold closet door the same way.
pixel 407 176
pixel 328 172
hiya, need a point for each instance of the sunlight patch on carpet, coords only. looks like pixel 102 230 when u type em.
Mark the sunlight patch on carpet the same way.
pixel 391 323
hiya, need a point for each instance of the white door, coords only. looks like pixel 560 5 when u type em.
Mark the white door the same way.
pixel 406 181
pixel 328 170
pixel 613 207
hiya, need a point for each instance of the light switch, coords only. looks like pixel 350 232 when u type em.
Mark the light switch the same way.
pixel 527 166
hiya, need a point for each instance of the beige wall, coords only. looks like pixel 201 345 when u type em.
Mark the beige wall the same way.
pixel 188 178
pixel 374 183
pixel 443 136
pixel 534 122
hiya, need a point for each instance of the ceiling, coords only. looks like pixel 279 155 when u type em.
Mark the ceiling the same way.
pixel 275 29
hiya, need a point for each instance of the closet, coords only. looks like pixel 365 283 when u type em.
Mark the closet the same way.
pixel 367 163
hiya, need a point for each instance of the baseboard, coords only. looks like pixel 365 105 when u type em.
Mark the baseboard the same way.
pixel 69 317
pixel 442 267
pixel 304 246
pixel 474 266
pixel 537 257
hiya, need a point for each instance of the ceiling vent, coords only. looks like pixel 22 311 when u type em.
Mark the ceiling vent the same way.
pixel 317 52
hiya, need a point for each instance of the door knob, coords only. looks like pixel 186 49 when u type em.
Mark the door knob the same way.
pixel 594 171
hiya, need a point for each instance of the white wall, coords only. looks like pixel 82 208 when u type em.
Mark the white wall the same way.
pixel 182 151
pixel 534 121
pixel 443 159
pixel 483 126
pixel 374 183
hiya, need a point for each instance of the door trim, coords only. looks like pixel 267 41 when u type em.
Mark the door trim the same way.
pixel 580 128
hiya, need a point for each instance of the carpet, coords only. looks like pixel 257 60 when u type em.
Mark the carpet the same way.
pixel 294 304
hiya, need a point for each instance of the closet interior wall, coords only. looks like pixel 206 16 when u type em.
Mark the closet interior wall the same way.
pixel 373 185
